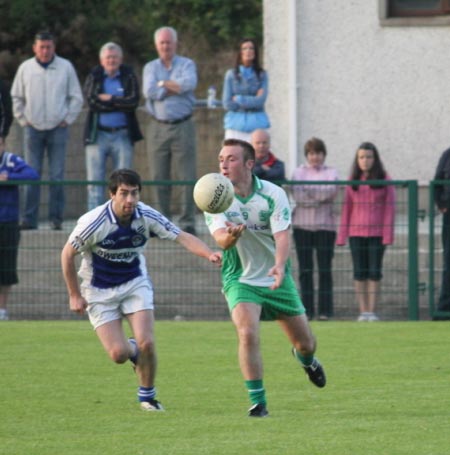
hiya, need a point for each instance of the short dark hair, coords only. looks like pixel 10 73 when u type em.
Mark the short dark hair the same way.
pixel 249 151
pixel 123 176
pixel 44 36
pixel 315 144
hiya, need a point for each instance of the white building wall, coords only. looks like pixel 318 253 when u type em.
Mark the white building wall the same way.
pixel 359 81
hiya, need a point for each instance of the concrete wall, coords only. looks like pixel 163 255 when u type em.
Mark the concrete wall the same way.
pixel 358 80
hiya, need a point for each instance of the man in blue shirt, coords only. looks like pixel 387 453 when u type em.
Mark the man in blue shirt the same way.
pixel 112 92
pixel 115 282
pixel 168 85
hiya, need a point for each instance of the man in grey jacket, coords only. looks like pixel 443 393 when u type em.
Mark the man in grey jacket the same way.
pixel 46 98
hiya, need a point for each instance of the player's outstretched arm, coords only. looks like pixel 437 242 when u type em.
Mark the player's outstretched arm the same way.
pixel 198 247
pixel 77 303
pixel 228 237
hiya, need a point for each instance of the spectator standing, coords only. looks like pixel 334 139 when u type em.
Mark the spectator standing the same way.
pixel 267 165
pixel 257 282
pixel 6 116
pixel 367 220
pixel 112 93
pixel 168 85
pixel 115 282
pixel 245 90
pixel 46 100
pixel 12 167
pixel 315 227
pixel 442 200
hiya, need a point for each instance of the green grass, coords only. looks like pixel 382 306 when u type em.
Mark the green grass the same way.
pixel 387 393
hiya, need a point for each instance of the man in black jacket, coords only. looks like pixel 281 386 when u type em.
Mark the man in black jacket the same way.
pixel 442 200
pixel 267 165
pixel 112 93
pixel 5 110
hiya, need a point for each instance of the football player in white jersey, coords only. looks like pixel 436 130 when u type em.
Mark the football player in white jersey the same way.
pixel 115 283
pixel 256 273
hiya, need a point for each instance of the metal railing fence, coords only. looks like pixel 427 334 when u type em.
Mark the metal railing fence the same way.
pixel 188 287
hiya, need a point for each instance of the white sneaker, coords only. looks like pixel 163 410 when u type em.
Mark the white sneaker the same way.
pixel 363 317
pixel 151 405
pixel 372 317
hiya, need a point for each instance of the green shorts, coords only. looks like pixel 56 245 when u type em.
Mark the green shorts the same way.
pixel 284 300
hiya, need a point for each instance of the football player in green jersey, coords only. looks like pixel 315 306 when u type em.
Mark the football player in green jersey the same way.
pixel 254 233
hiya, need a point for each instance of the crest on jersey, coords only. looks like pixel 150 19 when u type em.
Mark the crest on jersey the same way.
pixel 137 240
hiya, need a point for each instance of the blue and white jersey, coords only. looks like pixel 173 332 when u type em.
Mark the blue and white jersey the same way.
pixel 112 254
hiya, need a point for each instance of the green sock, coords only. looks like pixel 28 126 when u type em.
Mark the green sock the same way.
pixel 305 360
pixel 256 391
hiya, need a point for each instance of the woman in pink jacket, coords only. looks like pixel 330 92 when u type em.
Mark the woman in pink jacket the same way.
pixel 367 220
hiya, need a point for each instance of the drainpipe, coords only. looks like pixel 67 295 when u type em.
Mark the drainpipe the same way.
pixel 293 89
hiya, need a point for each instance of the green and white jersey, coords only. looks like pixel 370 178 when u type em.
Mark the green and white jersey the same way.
pixel 265 212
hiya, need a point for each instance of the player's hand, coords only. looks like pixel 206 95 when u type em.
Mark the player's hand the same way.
pixel 78 304
pixel 216 258
pixel 276 272
pixel 235 230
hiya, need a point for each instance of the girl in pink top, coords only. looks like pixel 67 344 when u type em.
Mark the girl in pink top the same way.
pixel 315 227
pixel 367 220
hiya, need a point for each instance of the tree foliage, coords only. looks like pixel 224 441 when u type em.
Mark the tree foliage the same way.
pixel 206 28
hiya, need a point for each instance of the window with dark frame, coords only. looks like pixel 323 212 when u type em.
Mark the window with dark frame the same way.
pixel 418 8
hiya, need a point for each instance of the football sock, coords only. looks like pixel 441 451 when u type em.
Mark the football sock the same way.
pixel 146 393
pixel 305 360
pixel 134 347
pixel 256 391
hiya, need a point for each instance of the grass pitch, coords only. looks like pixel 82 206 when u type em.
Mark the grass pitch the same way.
pixel 387 392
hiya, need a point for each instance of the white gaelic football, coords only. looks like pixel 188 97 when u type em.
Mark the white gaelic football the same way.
pixel 213 193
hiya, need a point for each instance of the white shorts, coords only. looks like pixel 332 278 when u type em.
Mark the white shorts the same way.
pixel 106 305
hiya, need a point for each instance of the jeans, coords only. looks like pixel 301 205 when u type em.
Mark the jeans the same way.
pixel 119 148
pixel 174 145
pixel 444 296
pixel 36 143
pixel 305 244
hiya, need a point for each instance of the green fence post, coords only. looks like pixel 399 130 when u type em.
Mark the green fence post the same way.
pixel 431 251
pixel 413 268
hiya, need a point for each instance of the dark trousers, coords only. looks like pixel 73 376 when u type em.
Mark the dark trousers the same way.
pixel 174 146
pixel 367 257
pixel 323 243
pixel 444 297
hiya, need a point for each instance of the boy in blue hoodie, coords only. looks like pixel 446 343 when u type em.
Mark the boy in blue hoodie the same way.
pixel 12 168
